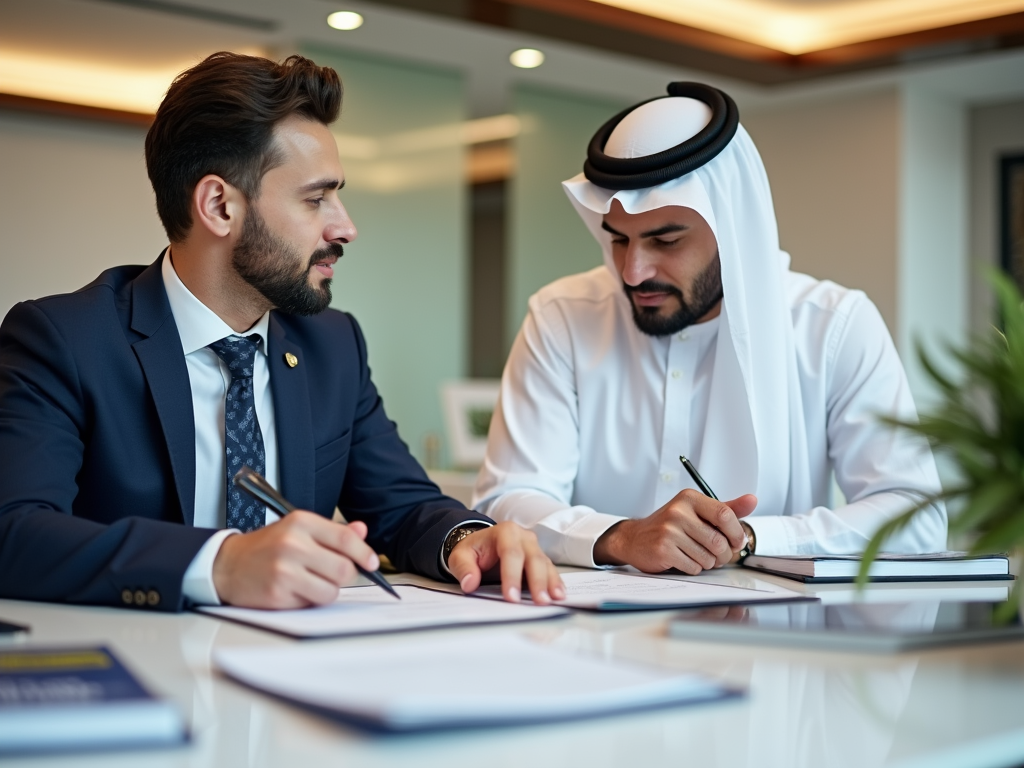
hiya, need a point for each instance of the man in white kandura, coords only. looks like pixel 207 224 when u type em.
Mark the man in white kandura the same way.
pixel 696 339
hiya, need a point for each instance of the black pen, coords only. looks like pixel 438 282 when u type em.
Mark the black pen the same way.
pixel 703 486
pixel 706 490
pixel 254 484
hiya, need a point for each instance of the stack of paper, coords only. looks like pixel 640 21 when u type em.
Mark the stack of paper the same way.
pixel 370 610
pixel 453 682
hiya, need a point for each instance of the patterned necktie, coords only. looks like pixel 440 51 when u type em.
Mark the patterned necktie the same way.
pixel 243 440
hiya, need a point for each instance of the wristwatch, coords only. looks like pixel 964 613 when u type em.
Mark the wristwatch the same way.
pixel 456 535
pixel 751 545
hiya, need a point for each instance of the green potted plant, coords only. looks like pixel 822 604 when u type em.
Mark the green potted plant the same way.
pixel 978 425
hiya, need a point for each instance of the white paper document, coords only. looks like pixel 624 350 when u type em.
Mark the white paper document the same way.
pixel 369 610
pixel 611 591
pixel 459 682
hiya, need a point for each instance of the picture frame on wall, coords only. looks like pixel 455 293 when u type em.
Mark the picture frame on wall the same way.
pixel 1011 216
pixel 468 407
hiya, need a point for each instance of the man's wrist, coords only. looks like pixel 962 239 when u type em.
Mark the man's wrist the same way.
pixel 456 535
pixel 605 546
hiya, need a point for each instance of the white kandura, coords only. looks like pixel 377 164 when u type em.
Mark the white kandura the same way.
pixel 784 387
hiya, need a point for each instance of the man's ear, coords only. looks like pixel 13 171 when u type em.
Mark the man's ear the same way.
pixel 217 206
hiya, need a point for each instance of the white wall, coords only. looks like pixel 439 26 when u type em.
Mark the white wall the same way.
pixel 833 166
pixel 74 200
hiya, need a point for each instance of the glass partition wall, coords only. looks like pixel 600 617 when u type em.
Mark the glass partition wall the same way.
pixel 443 265
pixel 547 239
pixel 404 278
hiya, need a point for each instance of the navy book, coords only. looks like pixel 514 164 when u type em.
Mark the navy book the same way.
pixel 61 699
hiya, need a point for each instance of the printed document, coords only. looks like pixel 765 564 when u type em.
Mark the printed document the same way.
pixel 611 591
pixel 369 610
pixel 454 681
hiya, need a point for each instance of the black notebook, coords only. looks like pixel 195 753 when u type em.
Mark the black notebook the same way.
pixel 936 566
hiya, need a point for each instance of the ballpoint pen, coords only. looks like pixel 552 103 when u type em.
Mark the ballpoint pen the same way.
pixel 706 490
pixel 703 486
pixel 254 484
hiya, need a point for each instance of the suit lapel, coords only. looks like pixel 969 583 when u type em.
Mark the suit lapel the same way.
pixel 163 364
pixel 293 416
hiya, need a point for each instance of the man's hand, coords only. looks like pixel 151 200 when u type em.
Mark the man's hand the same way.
pixel 515 550
pixel 299 561
pixel 691 533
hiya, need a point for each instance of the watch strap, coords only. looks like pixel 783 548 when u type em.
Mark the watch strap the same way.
pixel 751 545
pixel 457 534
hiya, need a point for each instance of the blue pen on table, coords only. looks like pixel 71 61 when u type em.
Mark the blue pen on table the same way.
pixel 254 484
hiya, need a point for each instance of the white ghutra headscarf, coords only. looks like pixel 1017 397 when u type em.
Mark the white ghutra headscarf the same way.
pixel 755 438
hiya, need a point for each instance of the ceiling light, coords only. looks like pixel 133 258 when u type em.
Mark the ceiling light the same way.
pixel 526 58
pixel 345 20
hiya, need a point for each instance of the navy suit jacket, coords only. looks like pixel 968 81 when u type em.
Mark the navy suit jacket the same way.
pixel 97 446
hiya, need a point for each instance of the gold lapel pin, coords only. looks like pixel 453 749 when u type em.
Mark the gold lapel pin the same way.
pixel 291 359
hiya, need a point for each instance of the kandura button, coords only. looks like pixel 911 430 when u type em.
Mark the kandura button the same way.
pixel 676 374
pixel 667 476
pixel 291 359
pixel 126 596
pixel 683 336
pixel 140 597
pixel 153 597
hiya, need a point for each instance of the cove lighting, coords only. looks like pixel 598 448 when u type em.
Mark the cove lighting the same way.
pixel 799 26
pixel 345 20
pixel 526 58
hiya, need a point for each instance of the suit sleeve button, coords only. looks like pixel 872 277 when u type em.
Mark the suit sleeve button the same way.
pixel 126 596
pixel 153 597
pixel 140 597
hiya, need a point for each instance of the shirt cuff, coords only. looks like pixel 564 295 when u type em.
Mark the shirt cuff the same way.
pixel 581 538
pixel 771 533
pixel 464 524
pixel 197 586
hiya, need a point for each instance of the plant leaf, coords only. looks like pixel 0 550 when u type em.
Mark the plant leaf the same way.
pixel 888 528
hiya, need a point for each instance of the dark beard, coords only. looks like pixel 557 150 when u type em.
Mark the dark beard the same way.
pixel 707 292
pixel 268 264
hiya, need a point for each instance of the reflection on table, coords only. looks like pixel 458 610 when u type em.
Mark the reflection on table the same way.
pixel 804 708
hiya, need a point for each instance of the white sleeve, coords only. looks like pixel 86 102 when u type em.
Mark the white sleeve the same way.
pixel 533 451
pixel 881 471
pixel 197 586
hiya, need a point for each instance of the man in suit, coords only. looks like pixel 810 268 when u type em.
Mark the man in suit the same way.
pixel 126 407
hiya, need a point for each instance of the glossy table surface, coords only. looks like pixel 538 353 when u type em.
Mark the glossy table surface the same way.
pixel 946 707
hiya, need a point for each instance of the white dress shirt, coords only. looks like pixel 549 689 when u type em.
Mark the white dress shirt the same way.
pixel 209 378
pixel 593 416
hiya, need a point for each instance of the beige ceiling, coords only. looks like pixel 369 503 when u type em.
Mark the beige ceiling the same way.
pixel 804 26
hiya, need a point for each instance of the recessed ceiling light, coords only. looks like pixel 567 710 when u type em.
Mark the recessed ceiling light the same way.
pixel 345 20
pixel 526 58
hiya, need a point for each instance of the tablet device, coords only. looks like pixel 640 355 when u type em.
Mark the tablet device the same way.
pixel 870 627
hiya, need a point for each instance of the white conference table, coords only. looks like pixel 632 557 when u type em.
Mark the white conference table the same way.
pixel 943 708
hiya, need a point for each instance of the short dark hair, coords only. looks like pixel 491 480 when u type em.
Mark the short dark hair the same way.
pixel 218 117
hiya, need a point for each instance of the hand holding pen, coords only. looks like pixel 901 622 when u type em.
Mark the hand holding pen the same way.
pixel 691 533
pixel 254 484
pixel 297 562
